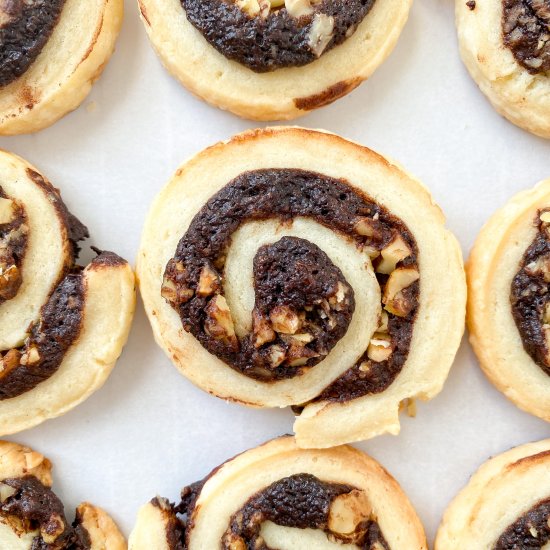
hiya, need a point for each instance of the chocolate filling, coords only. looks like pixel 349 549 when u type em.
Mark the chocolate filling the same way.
pixel 278 40
pixel 526 32
pixel 49 339
pixel 13 244
pixel 25 27
pixel 34 506
pixel 530 299
pixel 303 303
pixel 301 501
pixel 529 532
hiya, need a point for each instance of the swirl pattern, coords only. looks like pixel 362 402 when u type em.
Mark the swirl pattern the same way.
pixel 508 281
pixel 50 306
pixel 505 504
pixel 279 496
pixel 295 287
pixel 46 67
pixel 32 516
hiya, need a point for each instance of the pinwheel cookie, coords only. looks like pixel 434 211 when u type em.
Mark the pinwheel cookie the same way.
pixel 51 52
pixel 62 326
pixel 509 303
pixel 280 496
pixel 290 267
pixel 505 506
pixel 505 45
pixel 273 59
pixel 32 517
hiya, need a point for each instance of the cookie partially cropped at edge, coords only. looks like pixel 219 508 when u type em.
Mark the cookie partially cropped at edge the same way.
pixel 505 44
pixel 62 326
pixel 280 496
pixel 506 504
pixel 290 267
pixel 509 303
pixel 51 52
pixel 273 60
pixel 32 516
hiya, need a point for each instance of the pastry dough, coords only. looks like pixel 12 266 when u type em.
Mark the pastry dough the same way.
pixel 517 91
pixel 494 263
pixel 48 366
pixel 61 77
pixel 285 93
pixel 349 497
pixel 31 516
pixel 503 506
pixel 347 176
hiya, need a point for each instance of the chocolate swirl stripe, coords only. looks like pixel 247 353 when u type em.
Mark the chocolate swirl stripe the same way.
pixel 505 505
pixel 51 52
pixel 508 302
pixel 289 268
pixel 278 496
pixel 32 517
pixel 62 326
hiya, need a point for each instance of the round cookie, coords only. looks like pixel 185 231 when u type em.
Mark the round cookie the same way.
pixel 273 61
pixel 47 68
pixel 282 496
pixel 32 516
pixel 505 505
pixel 505 45
pixel 507 300
pixel 290 267
pixel 62 326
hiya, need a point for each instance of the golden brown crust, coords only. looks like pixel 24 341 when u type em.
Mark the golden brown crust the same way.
pixel 285 93
pixel 62 75
pixel 493 263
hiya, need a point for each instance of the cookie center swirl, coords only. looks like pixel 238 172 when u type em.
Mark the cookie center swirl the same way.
pixel 531 530
pixel 302 304
pixel 25 27
pixel 266 35
pixel 341 513
pixel 530 298
pixel 526 31
pixel 28 506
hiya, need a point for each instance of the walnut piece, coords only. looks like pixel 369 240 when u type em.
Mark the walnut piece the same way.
pixel 219 323
pixel 284 320
pixel 6 210
pixel 262 330
pixel 53 529
pixel 209 282
pixel 298 8
pixel 347 512
pixel 394 253
pixel 379 348
pixel 321 33
pixel 394 299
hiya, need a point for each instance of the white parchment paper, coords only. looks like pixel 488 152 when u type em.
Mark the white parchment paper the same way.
pixel 149 431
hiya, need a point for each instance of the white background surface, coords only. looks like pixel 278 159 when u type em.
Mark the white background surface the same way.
pixel 149 431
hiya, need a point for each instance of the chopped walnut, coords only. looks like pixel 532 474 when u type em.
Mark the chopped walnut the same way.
pixel 262 330
pixel 53 529
pixel 394 299
pixel 7 210
pixel 276 355
pixel 9 362
pixel 219 323
pixel 394 253
pixel 6 492
pixel 321 33
pixel 367 227
pixel 284 320
pixel 298 8
pixel 9 281
pixel 347 512
pixel 540 267
pixel 209 282
pixel 30 356
pixel 174 295
pixel 298 355
pixel 379 348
